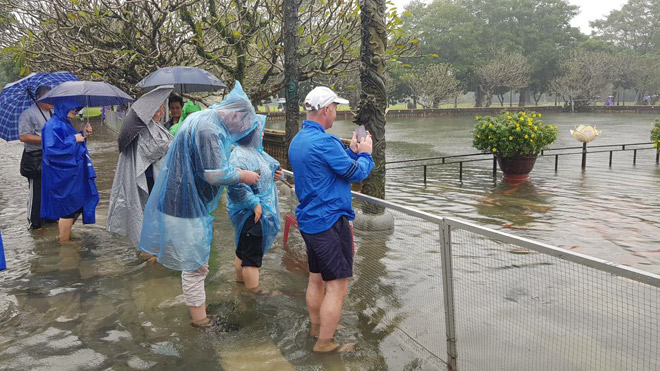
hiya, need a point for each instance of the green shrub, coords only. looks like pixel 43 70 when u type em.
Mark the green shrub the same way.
pixel 513 134
pixel 655 134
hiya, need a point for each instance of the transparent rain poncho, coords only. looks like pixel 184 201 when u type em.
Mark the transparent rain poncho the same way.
pixel 242 198
pixel 177 225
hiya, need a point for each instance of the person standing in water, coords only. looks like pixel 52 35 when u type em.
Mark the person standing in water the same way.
pixel 67 174
pixel 323 170
pixel 143 143
pixel 178 225
pixel 30 123
pixel 254 211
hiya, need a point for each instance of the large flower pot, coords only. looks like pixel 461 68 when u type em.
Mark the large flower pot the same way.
pixel 516 169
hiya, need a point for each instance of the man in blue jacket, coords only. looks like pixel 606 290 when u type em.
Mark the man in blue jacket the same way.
pixel 323 170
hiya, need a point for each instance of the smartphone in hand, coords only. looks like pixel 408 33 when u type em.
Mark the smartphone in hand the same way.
pixel 361 133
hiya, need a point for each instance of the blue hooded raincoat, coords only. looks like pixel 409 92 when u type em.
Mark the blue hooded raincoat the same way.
pixel 242 198
pixel 177 224
pixel 67 173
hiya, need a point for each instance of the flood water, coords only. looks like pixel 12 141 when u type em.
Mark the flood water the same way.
pixel 91 305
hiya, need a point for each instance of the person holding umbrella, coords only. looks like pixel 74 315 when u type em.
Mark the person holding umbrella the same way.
pixel 143 143
pixel 30 123
pixel 67 183
pixel 178 225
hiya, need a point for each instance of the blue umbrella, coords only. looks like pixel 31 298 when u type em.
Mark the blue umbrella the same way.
pixel 88 94
pixel 16 97
pixel 185 79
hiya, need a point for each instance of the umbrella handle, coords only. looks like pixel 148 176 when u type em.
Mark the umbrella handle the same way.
pixel 34 99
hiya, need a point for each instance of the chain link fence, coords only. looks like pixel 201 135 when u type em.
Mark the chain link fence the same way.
pixel 441 293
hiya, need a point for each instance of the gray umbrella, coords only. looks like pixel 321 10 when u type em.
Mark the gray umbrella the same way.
pixel 147 105
pixel 140 113
pixel 185 79
pixel 88 94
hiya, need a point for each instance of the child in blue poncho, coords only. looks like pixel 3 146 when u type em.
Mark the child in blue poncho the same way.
pixel 68 188
pixel 253 210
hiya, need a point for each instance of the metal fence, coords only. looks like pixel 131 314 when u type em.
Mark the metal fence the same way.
pixel 441 293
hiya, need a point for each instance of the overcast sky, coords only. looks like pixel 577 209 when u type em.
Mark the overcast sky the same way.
pixel 589 10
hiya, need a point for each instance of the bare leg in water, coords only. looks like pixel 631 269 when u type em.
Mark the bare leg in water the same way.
pixel 324 303
pixel 65 225
pixel 247 275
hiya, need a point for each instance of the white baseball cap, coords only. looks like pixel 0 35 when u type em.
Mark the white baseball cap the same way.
pixel 320 97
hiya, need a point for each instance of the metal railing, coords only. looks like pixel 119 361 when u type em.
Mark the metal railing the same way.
pixel 427 162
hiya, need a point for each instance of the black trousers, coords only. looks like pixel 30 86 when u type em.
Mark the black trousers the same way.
pixel 34 203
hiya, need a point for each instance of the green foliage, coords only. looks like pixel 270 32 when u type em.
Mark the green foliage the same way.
pixel 512 134
pixel 634 26
pixel 655 135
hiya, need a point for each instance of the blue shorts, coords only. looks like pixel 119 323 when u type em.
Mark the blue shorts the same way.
pixel 330 252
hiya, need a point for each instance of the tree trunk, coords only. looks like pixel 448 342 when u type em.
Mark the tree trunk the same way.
pixel 373 98
pixel 522 100
pixel 291 70
pixel 478 97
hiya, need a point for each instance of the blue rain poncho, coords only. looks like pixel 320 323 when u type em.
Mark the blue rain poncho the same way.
pixel 177 225
pixel 242 198
pixel 67 173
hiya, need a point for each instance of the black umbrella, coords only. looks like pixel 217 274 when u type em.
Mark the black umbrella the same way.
pixel 185 79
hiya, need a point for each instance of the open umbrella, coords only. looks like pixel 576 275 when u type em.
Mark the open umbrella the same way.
pixel 88 94
pixel 185 79
pixel 17 96
pixel 141 113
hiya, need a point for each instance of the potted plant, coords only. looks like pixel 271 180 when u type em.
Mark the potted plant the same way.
pixel 516 138
pixel 655 135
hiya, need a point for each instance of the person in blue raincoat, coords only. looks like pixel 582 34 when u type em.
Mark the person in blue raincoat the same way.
pixel 177 225
pixel 68 188
pixel 253 210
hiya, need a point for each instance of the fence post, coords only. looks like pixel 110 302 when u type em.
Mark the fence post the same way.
pixel 584 155
pixel 424 174
pixel 610 158
pixel 556 162
pixel 657 156
pixel 448 293
pixel 460 169
pixel 494 167
pixel 634 157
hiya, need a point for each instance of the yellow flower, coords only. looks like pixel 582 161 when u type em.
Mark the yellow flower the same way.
pixel 526 136
pixel 490 125
pixel 483 126
pixel 536 128
pixel 477 117
pixel 494 149
pixel 655 144
pixel 517 128
pixel 508 117
pixel 529 124
pixel 507 112
pixel 533 114
pixel 522 118
pixel 478 136
pixel 540 115
pixel 511 138
pixel 533 135
pixel 531 141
